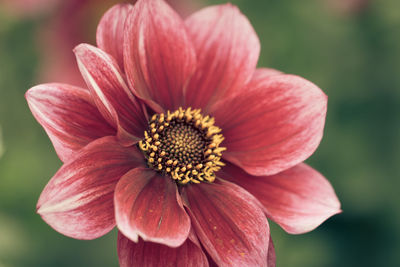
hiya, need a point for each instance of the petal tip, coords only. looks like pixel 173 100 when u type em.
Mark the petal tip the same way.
pixel 173 243
pixel 128 234
pixel 80 48
pixel 30 93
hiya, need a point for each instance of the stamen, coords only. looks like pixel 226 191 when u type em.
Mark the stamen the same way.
pixel 183 145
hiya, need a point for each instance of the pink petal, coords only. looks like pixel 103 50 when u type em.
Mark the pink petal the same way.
pixel 276 123
pixel 229 222
pixel 148 205
pixel 78 200
pixel 298 199
pixel 68 115
pixel 110 31
pixel 159 58
pixel 151 254
pixel 261 73
pixel 227 50
pixel 271 254
pixel 111 94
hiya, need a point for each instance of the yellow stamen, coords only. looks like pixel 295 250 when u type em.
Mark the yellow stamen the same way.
pixel 184 145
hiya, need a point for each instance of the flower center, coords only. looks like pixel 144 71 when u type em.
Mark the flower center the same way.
pixel 183 144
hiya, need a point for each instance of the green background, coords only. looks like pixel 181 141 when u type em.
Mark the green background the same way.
pixel 354 56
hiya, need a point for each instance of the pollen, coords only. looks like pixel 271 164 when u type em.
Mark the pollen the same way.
pixel 184 145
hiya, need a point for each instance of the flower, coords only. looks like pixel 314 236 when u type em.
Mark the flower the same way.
pixel 27 8
pixel 62 31
pixel 57 41
pixel 181 142
pixel 348 7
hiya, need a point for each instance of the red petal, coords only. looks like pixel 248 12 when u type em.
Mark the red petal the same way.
pixel 78 200
pixel 275 124
pixel 159 58
pixel 152 254
pixel 298 199
pixel 111 94
pixel 68 116
pixel 227 50
pixel 110 31
pixel 229 223
pixel 271 254
pixel 148 205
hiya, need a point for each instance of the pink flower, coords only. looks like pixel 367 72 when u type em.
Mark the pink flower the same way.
pixel 348 6
pixel 24 8
pixel 68 23
pixel 181 142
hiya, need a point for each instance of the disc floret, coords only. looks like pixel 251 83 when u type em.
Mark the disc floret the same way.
pixel 184 145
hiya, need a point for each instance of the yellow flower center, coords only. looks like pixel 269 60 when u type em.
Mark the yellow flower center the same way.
pixel 183 144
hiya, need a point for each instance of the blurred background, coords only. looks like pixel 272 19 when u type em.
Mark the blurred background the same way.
pixel 349 48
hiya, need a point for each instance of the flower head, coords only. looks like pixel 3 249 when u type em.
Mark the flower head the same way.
pixel 181 142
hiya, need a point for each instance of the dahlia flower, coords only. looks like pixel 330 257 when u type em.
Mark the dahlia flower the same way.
pixel 63 30
pixel 181 142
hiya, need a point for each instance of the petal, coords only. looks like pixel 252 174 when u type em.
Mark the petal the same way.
pixel 151 254
pixel 109 90
pixel 148 205
pixel 275 124
pixel 227 50
pixel 159 58
pixel 261 73
pixel 229 222
pixel 78 200
pixel 68 115
pixel 110 31
pixel 298 199
pixel 271 254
